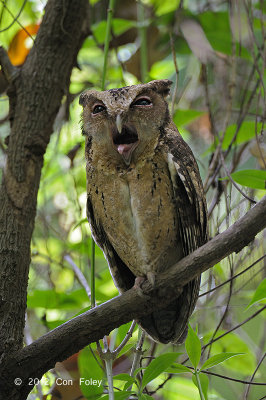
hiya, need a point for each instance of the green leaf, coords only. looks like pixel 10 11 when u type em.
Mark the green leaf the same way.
pixel 137 370
pixel 82 221
pixel 165 68
pixel 50 299
pixel 260 294
pixel 218 359
pixel 162 69
pixel 87 364
pixel 245 133
pixel 234 343
pixel 127 347
pixel 157 366
pixel 166 6
pixel 124 377
pixel 145 397
pixel 204 383
pixel 120 25
pixel 183 117
pixel 178 369
pixel 193 347
pixel 252 178
pixel 99 30
pixel 92 2
pixel 118 395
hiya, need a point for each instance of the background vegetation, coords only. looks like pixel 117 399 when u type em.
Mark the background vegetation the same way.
pixel 214 53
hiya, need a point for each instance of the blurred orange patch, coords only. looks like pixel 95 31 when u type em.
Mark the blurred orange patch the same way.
pixel 18 49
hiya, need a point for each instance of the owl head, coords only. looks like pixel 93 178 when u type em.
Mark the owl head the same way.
pixel 126 123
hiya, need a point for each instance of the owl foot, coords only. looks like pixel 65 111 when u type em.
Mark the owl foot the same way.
pixel 137 285
pixel 150 277
pixel 138 281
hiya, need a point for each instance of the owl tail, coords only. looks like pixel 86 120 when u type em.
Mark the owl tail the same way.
pixel 165 325
pixel 169 324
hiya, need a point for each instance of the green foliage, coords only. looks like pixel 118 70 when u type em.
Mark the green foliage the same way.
pixel 50 299
pixel 218 359
pixel 233 343
pixel 252 178
pixel 183 117
pixel 193 347
pixel 87 363
pixel 259 295
pixel 201 381
pixel 157 366
pixel 246 132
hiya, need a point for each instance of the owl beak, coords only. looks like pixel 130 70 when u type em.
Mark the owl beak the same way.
pixel 125 141
pixel 118 122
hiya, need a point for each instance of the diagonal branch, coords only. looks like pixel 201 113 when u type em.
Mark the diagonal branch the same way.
pixel 94 324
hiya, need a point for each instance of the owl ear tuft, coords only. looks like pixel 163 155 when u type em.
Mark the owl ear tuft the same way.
pixel 83 99
pixel 161 86
pixel 87 96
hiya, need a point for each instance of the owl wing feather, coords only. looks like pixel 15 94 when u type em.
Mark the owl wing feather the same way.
pixel 188 191
pixel 190 207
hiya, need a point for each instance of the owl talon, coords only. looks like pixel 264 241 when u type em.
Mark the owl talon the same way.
pixel 138 282
pixel 151 278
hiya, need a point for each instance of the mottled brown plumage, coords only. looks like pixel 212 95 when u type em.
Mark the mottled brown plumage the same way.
pixel 145 205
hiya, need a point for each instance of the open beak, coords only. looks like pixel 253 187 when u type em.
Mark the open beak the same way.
pixel 118 122
pixel 125 139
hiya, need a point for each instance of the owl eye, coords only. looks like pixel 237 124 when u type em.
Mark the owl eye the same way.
pixel 142 101
pixel 98 108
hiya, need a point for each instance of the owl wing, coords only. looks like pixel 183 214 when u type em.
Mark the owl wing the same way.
pixel 188 191
pixel 122 276
pixel 170 323
pixel 190 202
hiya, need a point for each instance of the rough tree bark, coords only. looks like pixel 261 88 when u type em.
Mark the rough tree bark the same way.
pixel 35 95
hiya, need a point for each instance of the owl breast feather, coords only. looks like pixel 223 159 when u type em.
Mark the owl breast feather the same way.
pixel 137 212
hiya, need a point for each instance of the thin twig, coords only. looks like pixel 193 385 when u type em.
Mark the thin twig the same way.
pixel 79 274
pixel 233 277
pixel 108 358
pixel 15 18
pixel 107 39
pixel 235 327
pixel 138 354
pixel 143 41
pixel 126 339
pixel 256 133
pixel 93 296
pixel 226 307
pixel 232 180
pixel 233 379
pixel 176 74
pixel 9 70
pixel 253 375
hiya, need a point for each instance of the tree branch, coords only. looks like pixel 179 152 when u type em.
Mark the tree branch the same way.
pixel 92 325
pixel 8 68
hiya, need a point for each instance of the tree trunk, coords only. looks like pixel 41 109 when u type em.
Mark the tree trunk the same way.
pixel 35 94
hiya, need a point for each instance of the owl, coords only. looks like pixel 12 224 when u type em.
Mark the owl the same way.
pixel 145 201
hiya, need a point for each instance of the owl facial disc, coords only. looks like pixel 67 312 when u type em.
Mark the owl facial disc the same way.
pixel 125 141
